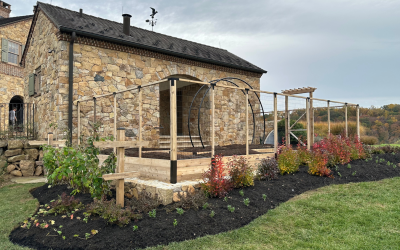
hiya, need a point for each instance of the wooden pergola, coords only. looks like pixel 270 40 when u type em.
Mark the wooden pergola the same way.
pixel 310 110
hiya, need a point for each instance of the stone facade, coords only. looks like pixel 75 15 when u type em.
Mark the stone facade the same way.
pixel 124 67
pixel 11 76
pixel 5 10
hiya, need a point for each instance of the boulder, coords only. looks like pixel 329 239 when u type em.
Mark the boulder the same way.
pixel 15 144
pixel 17 158
pixel 3 158
pixel 11 168
pixel 13 152
pixel 1 151
pixel 39 163
pixel 3 164
pixel 3 144
pixel 27 167
pixel 41 155
pixel 32 153
pixel 176 197
pixel 39 170
pixel 16 173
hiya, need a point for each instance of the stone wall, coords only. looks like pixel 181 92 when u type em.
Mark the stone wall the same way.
pixel 21 159
pixel 51 103
pixel 11 76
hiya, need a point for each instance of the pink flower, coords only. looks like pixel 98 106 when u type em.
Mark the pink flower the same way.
pixel 72 216
pixel 37 224
pixel 46 226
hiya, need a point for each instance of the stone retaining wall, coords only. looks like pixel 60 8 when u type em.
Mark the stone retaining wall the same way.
pixel 20 158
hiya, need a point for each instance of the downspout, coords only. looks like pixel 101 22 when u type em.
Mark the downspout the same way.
pixel 71 83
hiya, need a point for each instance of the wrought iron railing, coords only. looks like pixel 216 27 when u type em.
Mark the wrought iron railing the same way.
pixel 20 125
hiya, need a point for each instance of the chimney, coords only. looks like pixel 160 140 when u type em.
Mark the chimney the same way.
pixel 127 24
pixel 5 10
pixel 80 12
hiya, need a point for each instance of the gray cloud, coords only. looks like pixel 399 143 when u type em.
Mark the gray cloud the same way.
pixel 349 50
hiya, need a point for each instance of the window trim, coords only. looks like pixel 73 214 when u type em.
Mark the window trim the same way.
pixel 38 81
pixel 19 52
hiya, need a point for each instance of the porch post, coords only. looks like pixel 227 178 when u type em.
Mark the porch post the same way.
pixel 275 123
pixel 173 130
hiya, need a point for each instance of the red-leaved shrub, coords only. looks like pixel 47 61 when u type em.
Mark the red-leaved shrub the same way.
pixel 215 182
pixel 317 164
pixel 336 148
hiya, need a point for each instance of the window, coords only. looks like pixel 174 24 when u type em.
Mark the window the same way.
pixel 11 51
pixel 35 82
pixel 38 80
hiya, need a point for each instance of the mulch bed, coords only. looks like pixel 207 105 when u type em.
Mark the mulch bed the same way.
pixel 157 153
pixel 192 224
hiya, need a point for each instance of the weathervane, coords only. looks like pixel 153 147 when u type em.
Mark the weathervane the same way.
pixel 152 22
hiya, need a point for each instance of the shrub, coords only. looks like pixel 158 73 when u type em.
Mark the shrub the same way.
pixel 190 201
pixel 288 160
pixel 268 169
pixel 79 167
pixel 240 172
pixel 336 148
pixel 215 183
pixel 303 154
pixel 112 213
pixel 356 148
pixel 65 204
pixel 144 203
pixel 317 164
pixel 369 140
pixel 390 149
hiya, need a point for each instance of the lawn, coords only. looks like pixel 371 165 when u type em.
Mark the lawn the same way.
pixel 350 216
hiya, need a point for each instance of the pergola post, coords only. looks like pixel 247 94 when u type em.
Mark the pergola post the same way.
pixel 247 122
pixel 275 123
pixel 329 118
pixel 79 123
pixel 120 167
pixel 311 119
pixel 173 131
pixel 358 121
pixel 345 120
pixel 115 119
pixel 287 121
pixel 50 138
pixel 308 122
pixel 140 119
pixel 212 120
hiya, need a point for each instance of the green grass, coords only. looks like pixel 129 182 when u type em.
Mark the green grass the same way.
pixel 16 205
pixel 351 216
pixel 381 145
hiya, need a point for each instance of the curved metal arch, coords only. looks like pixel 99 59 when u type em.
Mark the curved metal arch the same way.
pixel 258 98
pixel 227 79
pixel 235 78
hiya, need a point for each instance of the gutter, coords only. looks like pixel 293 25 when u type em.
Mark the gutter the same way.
pixel 177 54
pixel 70 83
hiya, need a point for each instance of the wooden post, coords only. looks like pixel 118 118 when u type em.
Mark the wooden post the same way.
pixel 79 123
pixel 358 121
pixel 140 120
pixel 94 110
pixel 345 120
pixel 50 138
pixel 287 121
pixel 311 119
pixel 247 122
pixel 308 123
pixel 115 119
pixel 212 121
pixel 329 119
pixel 275 123
pixel 120 167
pixel 173 131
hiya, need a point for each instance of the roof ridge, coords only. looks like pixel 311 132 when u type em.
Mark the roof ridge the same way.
pixel 132 26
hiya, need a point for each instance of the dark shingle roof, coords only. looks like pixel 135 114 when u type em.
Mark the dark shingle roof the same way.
pixel 69 21
pixel 10 20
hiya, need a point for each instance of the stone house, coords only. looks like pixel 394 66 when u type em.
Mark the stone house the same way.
pixel 13 34
pixel 73 56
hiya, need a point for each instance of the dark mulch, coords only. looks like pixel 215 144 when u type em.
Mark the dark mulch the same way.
pixel 192 224
pixel 157 153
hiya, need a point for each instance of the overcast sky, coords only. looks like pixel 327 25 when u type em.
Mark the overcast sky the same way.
pixel 348 50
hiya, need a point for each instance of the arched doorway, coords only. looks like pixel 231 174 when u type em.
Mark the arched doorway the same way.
pixel 17 102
